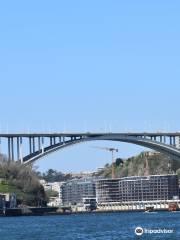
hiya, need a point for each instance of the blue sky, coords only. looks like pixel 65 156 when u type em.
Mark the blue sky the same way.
pixel 89 66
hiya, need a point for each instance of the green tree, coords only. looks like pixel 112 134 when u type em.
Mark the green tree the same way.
pixel 22 179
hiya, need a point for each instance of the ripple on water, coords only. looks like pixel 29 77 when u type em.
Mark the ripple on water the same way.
pixel 100 226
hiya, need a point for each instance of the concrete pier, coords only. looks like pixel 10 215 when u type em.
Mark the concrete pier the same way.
pixel 136 206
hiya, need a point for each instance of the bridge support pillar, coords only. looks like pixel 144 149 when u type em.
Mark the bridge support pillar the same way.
pixel 9 149
pixel 42 145
pixel 30 146
pixel 39 143
pixel 34 146
pixel 18 156
pixel 21 150
pixel 174 141
pixel 170 139
pixel 12 149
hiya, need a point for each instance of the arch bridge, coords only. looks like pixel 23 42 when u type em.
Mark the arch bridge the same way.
pixel 29 147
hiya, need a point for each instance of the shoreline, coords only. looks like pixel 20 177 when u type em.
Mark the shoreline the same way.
pixel 19 213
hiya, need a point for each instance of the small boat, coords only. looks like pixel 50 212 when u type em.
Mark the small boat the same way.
pixel 149 209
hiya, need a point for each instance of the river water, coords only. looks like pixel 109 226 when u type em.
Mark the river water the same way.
pixel 100 226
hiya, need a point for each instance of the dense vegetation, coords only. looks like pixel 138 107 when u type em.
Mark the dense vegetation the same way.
pixel 135 166
pixel 21 180
pixel 54 176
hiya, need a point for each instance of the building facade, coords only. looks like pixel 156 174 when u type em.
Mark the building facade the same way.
pixel 145 188
pixel 107 190
pixel 73 192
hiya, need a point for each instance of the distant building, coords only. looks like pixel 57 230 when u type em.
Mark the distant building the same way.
pixel 145 188
pixel 98 170
pixel 47 186
pixel 83 174
pixel 54 202
pixel 54 186
pixel 2 201
pixel 73 192
pixel 107 190
pixel 8 200
pixel 149 153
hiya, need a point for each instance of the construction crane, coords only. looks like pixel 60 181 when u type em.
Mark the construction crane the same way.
pixel 112 150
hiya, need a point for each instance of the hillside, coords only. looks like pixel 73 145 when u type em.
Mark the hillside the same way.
pixel 135 166
pixel 22 180
pixel 52 175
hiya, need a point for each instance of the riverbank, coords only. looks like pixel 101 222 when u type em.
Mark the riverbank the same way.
pixel 50 212
pixel 32 211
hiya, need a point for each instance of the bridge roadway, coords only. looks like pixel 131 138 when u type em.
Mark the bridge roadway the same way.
pixel 28 147
pixel 90 134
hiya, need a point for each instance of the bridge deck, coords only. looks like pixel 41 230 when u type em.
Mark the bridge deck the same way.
pixel 88 134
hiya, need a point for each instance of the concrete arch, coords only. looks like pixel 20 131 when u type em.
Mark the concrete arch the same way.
pixel 144 142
